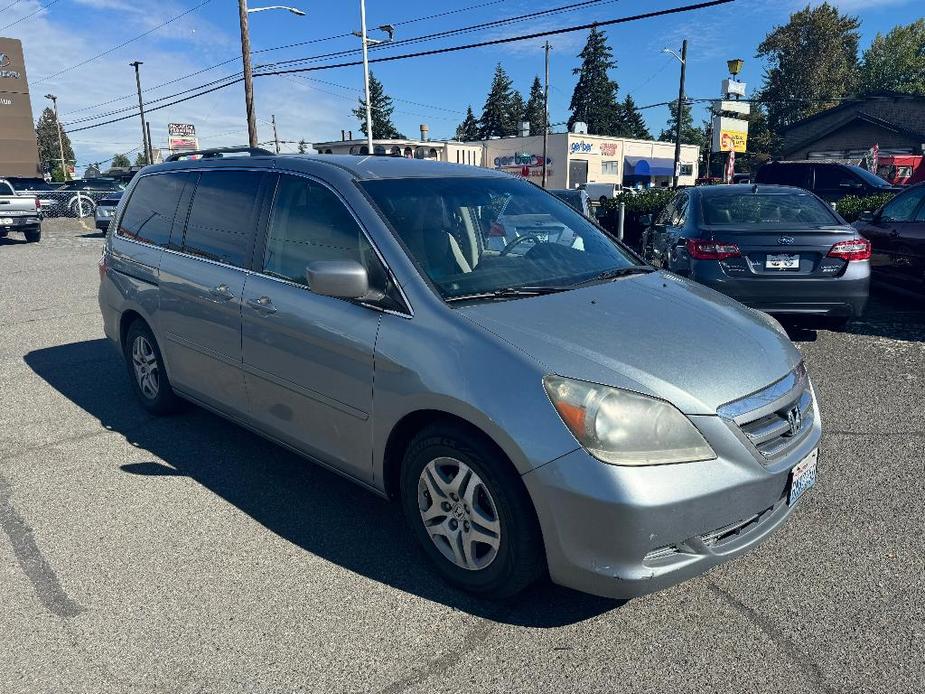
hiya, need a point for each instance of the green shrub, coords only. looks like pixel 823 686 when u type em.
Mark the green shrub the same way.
pixel 647 201
pixel 852 206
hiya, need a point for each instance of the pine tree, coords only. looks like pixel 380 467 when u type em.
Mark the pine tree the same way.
pixel 496 114
pixel 632 123
pixel 382 108
pixel 690 133
pixel 536 108
pixel 517 111
pixel 140 159
pixel 303 145
pixel 468 130
pixel 46 132
pixel 594 100
pixel 120 161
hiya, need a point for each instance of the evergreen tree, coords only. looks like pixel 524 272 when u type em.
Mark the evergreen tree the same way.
pixel 895 62
pixel 303 145
pixel 120 161
pixel 140 159
pixel 468 130
pixel 517 111
pixel 812 63
pixel 632 123
pixel 536 108
pixel 496 114
pixel 46 133
pixel 382 108
pixel 594 100
pixel 690 133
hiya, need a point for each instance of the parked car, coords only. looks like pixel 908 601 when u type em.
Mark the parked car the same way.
pixel 831 181
pixel 600 192
pixel 776 248
pixel 532 412
pixel 578 199
pixel 78 198
pixel 30 187
pixel 22 213
pixel 897 235
pixel 105 210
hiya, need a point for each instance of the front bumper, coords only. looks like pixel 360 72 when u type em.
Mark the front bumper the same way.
pixel 621 532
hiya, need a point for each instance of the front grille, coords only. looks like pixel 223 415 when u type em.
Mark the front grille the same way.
pixel 734 531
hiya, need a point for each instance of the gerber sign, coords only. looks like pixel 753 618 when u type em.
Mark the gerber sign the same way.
pixel 18 151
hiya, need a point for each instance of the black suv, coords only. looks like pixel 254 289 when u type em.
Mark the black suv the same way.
pixel 829 180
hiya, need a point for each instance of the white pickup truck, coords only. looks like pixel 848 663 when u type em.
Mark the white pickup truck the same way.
pixel 21 213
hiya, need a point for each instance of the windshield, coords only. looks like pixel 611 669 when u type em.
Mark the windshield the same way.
pixel 481 235
pixel 870 178
pixel 766 210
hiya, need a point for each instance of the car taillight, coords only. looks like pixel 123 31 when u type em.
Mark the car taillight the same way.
pixel 855 249
pixel 711 250
pixel 38 204
pixel 496 230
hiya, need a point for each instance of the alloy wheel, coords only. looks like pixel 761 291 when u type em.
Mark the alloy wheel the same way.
pixel 144 361
pixel 459 513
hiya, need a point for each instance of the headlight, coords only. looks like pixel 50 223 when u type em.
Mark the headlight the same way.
pixel 624 428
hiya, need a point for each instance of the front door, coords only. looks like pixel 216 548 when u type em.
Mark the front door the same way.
pixel 577 172
pixel 308 359
pixel 896 235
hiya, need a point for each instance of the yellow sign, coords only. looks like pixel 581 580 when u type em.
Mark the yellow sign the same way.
pixel 732 140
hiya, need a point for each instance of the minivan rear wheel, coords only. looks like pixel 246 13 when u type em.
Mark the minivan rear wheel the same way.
pixel 146 371
pixel 470 512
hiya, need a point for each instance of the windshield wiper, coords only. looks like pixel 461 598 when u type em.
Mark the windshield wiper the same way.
pixel 615 273
pixel 506 293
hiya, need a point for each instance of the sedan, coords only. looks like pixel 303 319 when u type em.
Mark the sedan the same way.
pixel 775 248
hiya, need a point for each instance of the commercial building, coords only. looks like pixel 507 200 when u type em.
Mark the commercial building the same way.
pixel 847 132
pixel 19 154
pixel 571 158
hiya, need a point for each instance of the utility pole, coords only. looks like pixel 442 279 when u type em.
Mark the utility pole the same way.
pixel 275 136
pixel 248 75
pixel 369 107
pixel 150 143
pixel 546 114
pixel 54 101
pixel 677 138
pixel 141 110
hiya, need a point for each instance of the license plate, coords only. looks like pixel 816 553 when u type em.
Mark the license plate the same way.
pixel 803 476
pixel 782 261
pixel 6 221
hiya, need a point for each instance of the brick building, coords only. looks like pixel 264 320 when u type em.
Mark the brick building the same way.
pixel 894 122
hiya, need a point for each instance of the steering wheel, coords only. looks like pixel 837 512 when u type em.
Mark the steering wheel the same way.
pixel 509 247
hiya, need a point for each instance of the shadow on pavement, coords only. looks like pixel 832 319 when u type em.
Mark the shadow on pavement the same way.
pixel 15 241
pixel 301 502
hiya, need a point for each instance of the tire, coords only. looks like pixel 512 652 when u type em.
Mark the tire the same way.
pixel 33 236
pixel 146 371
pixel 85 204
pixel 494 505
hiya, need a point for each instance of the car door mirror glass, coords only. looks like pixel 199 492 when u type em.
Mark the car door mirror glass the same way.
pixel 343 279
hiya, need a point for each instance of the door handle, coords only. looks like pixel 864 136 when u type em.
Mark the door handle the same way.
pixel 262 305
pixel 893 233
pixel 221 293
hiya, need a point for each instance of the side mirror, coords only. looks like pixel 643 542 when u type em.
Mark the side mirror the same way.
pixel 344 279
pixel 866 216
pixel 645 220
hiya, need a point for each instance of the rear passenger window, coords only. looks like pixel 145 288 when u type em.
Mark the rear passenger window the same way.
pixel 150 211
pixel 310 223
pixel 223 217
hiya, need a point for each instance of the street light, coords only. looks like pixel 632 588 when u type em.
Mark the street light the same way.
pixel 243 11
pixel 54 101
pixel 677 139
pixel 366 41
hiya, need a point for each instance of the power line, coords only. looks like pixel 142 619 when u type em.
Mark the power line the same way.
pixel 439 51
pixel 121 45
pixel 15 2
pixel 31 14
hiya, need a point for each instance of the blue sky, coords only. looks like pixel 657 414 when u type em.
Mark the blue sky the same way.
pixel 433 90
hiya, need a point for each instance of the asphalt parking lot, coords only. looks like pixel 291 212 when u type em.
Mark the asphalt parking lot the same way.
pixel 187 555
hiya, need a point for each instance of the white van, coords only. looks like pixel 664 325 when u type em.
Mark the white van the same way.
pixel 601 192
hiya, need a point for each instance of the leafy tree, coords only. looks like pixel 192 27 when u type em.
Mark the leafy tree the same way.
pixel 496 113
pixel 535 112
pixel 594 100
pixel 120 160
pixel 763 144
pixel 468 130
pixel 690 133
pixel 812 63
pixel 895 62
pixel 46 133
pixel 632 124
pixel 303 145
pixel 382 108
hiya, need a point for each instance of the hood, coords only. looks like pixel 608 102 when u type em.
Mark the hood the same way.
pixel 657 334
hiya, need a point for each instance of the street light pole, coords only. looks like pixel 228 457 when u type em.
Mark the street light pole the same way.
pixel 54 101
pixel 546 114
pixel 677 139
pixel 369 107
pixel 141 110
pixel 248 75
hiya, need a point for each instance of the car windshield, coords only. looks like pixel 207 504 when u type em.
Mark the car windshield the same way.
pixel 870 178
pixel 474 236
pixel 766 209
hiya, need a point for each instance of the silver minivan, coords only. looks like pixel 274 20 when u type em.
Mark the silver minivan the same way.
pixel 554 406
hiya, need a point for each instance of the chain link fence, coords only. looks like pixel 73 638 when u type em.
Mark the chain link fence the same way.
pixel 72 203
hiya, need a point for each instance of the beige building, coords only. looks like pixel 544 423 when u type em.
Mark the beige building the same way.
pixel 19 155
pixel 434 150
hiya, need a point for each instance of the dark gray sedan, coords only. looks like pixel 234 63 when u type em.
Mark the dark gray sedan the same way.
pixel 776 248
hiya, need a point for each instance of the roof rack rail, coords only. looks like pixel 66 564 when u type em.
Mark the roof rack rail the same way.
pixel 219 152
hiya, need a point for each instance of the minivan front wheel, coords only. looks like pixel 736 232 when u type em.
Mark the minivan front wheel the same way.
pixel 470 513
pixel 146 370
